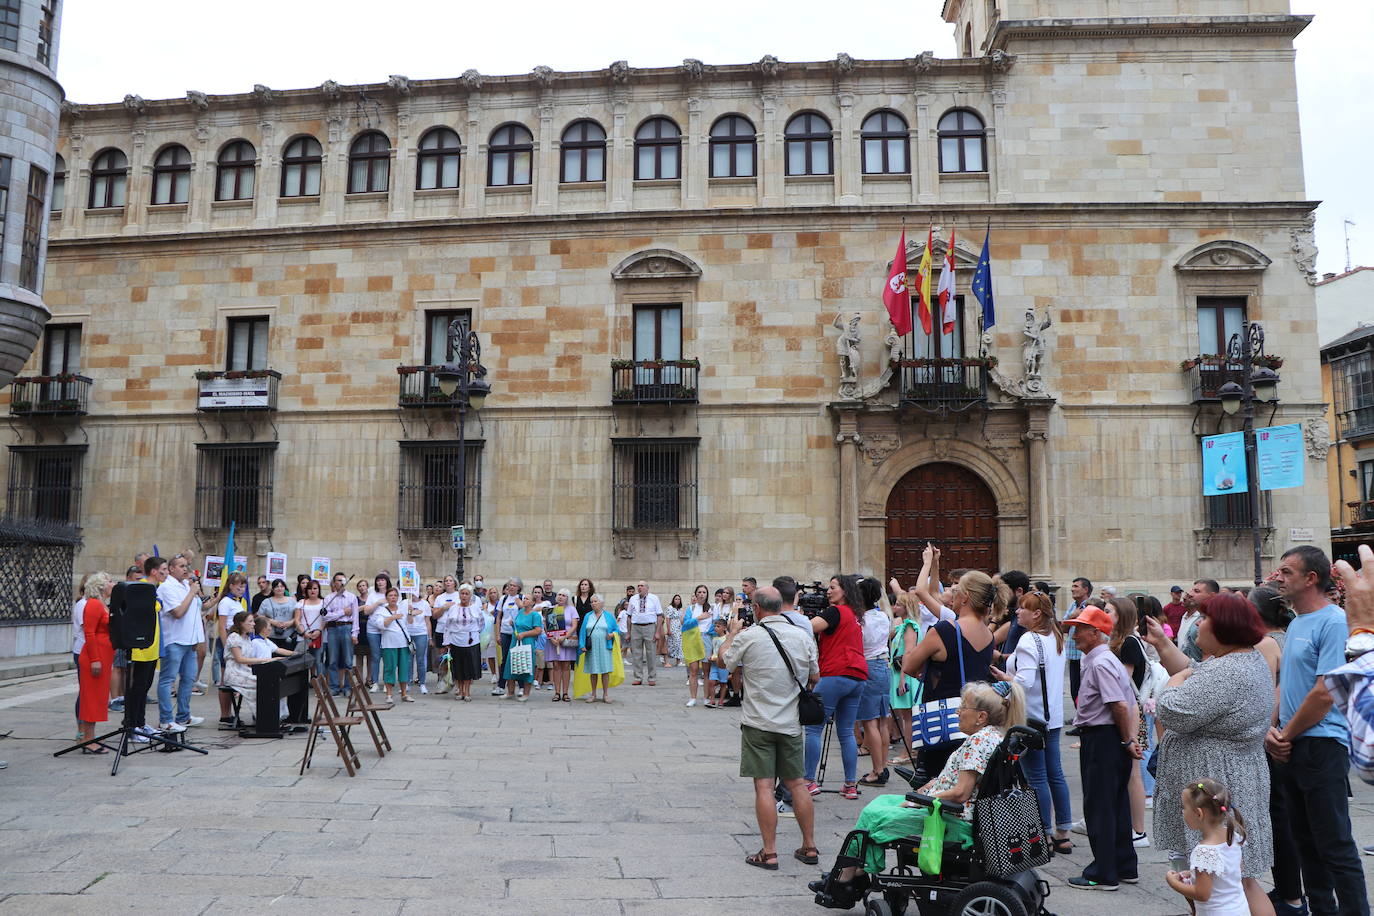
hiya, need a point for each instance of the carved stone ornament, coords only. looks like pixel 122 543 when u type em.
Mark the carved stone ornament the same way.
pixel 197 100
pixel 1033 348
pixel 135 103
pixel 657 264
pixel 879 446
pixel 847 349
pixel 1223 255
pixel 1012 387
pixel 263 95
pixel 924 62
pixel 543 75
pixel 72 110
pixel 620 71
pixel 1304 249
pixel 625 548
pixel 331 90
pixel 398 84
pixel 1202 543
pixel 1318 437
pixel 1000 61
pixel 686 548
pixel 693 69
pixel 769 66
pixel 471 79
pixel 844 63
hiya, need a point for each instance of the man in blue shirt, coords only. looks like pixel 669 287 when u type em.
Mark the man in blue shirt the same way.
pixel 1312 740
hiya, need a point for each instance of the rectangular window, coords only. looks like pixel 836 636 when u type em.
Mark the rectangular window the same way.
pixel 432 482
pixel 33 228
pixel 234 485
pixel 1218 320
pixel 654 484
pixel 937 344
pixel 4 195
pixel 1352 381
pixel 247 344
pixel 1232 511
pixel 61 349
pixel 436 332
pixel 658 336
pixel 45 32
pixel 9 25
pixel 45 482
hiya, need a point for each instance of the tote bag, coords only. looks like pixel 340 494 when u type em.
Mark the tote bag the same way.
pixel 938 721
pixel 522 660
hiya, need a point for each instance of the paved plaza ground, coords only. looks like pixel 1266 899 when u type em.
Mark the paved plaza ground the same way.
pixel 485 807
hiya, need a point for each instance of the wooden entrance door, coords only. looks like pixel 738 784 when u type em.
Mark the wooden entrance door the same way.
pixel 945 504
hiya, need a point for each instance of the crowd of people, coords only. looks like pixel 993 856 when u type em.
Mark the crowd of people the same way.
pixel 1225 713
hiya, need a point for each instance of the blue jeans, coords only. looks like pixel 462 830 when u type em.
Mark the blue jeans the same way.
pixel 421 643
pixel 1145 775
pixel 177 660
pixel 374 657
pixel 841 696
pixel 339 641
pixel 1045 773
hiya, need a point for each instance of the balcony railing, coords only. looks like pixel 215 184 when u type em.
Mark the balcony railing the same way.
pixel 251 389
pixel 420 388
pixel 1206 374
pixel 1357 422
pixel 649 381
pixel 65 395
pixel 944 385
pixel 1361 513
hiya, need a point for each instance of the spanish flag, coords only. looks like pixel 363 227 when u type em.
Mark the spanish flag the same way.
pixel 923 284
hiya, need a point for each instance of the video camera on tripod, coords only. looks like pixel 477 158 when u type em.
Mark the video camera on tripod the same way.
pixel 811 599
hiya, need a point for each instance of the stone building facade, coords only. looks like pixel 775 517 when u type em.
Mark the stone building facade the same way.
pixel 660 265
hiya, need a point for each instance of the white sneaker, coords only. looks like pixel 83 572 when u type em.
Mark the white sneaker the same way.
pixel 174 728
pixel 522 699
pixel 193 721
pixel 1079 827
pixel 424 689
pixel 785 810
pixel 202 685
pixel 496 691
pixel 692 702
pixel 548 686
pixel 1140 840
pixel 371 688
pixel 1149 802
pixel 139 737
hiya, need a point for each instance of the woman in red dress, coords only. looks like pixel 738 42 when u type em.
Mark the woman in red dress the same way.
pixel 96 660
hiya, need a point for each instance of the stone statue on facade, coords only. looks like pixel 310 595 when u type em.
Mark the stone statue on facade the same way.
pixel 1033 348
pixel 1318 436
pixel 847 349
pixel 197 99
pixel 1304 249
pixel 471 79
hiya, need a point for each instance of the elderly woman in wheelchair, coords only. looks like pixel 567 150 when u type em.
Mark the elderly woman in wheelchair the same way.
pixel 986 712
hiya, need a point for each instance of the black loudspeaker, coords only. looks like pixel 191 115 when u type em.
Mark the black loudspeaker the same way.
pixel 133 615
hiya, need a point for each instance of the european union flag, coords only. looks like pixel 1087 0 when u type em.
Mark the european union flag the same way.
pixel 982 284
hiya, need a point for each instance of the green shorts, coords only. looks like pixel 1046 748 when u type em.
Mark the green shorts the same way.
pixel 770 755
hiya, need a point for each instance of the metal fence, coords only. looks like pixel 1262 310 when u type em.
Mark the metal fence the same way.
pixel 36 570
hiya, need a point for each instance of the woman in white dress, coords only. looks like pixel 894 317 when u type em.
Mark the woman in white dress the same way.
pixel 463 623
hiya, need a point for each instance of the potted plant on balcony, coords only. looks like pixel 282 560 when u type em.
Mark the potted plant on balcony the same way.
pixel 622 364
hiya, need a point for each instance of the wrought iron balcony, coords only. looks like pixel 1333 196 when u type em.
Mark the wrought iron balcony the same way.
pixel 420 388
pixel 1356 422
pixel 944 385
pixel 249 389
pixel 1206 374
pixel 1361 513
pixel 63 395
pixel 654 381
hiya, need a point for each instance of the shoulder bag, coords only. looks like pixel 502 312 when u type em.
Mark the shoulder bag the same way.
pixel 1044 726
pixel 938 721
pixel 810 706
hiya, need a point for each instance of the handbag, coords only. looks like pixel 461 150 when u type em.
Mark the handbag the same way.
pixel 810 706
pixel 1006 816
pixel 521 659
pixel 938 721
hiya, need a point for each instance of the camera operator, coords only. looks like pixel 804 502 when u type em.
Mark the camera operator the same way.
pixel 843 673
pixel 787 590
pixel 771 745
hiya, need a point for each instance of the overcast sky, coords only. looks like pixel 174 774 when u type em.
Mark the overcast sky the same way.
pixel 159 49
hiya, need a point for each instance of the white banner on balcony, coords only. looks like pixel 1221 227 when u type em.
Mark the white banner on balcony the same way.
pixel 235 392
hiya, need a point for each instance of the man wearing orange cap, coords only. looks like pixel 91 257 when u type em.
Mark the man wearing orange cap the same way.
pixel 1106 722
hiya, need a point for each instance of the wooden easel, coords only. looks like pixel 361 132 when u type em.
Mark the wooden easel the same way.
pixel 327 717
pixel 360 704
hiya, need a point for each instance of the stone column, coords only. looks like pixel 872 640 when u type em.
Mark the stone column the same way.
pixel 334 170
pixel 769 164
pixel 620 164
pixel 999 173
pixel 473 165
pixel 1036 437
pixel 925 154
pixel 78 186
pixel 202 180
pixel 849 441
pixel 846 160
pixel 267 174
pixel 139 189
pixel 402 185
pixel 695 157
pixel 546 155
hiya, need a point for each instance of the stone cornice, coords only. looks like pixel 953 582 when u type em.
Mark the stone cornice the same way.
pixel 1130 27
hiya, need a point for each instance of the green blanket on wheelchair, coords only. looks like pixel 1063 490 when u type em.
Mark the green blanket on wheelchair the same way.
pixel 887 818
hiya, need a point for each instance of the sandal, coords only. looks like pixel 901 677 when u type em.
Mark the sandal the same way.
pixel 874 779
pixel 589 700
pixel 808 855
pixel 87 749
pixel 566 699
pixel 759 860
pixel 557 698
pixel 1062 846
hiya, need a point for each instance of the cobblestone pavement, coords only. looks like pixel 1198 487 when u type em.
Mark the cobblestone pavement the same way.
pixel 484 807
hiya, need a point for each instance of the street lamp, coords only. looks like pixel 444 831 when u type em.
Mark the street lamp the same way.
pixel 1258 383
pixel 463 375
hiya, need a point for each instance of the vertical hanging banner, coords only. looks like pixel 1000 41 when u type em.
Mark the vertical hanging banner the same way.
pixel 1223 465
pixel 1279 456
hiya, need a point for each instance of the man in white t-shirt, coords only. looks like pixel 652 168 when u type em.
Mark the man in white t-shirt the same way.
pixel 645 613
pixel 181 629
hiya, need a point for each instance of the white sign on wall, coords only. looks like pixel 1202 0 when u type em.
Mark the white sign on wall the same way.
pixel 235 392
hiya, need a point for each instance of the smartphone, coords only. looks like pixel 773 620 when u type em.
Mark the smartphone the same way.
pixel 1142 626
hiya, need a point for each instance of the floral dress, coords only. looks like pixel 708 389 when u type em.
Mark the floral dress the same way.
pixel 674 616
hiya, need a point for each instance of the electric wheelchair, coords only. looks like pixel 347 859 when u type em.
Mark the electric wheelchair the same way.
pixel 984 879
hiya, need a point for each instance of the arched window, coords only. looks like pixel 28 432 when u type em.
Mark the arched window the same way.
pixel 885 149
pixel 300 168
pixel 582 152
pixel 732 148
pixel 109 179
pixel 963 142
pixel 172 176
pixel 510 155
pixel 235 171
pixel 658 148
pixel 440 151
pixel 369 163
pixel 59 185
pixel 808 145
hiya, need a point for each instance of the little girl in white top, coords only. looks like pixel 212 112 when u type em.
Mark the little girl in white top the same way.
pixel 1213 881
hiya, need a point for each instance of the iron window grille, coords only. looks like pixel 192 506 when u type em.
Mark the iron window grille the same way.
pixel 658 150
pixel 59 185
pixel 732 148
pixel 234 485
pixel 510 156
pixel 235 171
pixel 654 484
pixel 963 142
pixel 582 153
pixel 300 173
pixel 36 569
pixel 109 179
pixel 885 144
pixel 1231 511
pixel 808 142
pixel 172 176
pixel 45 483
pixel 369 163
pixel 440 155
pixel 430 487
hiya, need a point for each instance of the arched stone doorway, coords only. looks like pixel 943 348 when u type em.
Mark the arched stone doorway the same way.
pixel 949 505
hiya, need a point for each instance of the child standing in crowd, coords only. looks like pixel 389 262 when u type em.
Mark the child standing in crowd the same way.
pixel 720 678
pixel 1212 882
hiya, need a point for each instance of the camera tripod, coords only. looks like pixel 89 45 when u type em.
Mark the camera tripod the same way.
pixel 826 736
pixel 127 746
